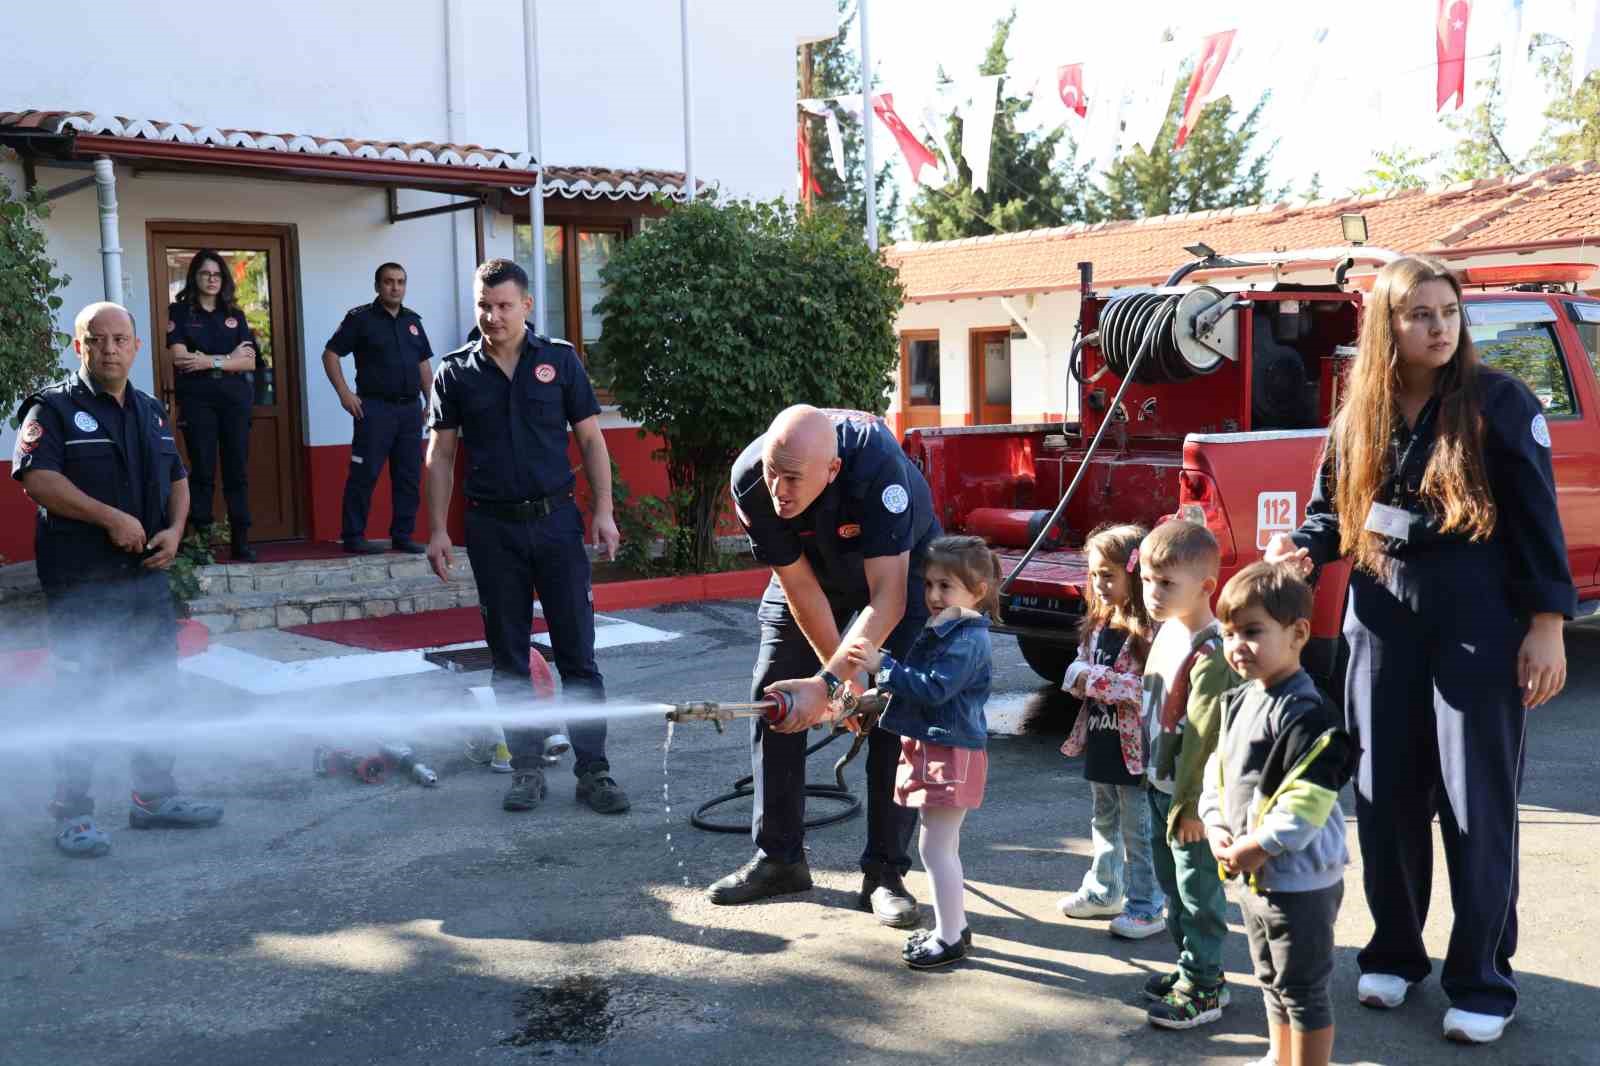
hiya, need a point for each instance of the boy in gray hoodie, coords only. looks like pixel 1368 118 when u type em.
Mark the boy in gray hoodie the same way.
pixel 1270 804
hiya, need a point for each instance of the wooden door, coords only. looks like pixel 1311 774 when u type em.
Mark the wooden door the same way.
pixel 990 374
pixel 259 257
pixel 919 378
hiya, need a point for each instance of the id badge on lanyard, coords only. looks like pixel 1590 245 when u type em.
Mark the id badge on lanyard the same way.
pixel 1386 519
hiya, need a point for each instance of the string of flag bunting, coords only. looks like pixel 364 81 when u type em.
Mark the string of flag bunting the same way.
pixel 1110 105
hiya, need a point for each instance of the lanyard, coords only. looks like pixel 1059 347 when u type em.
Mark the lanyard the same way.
pixel 1401 458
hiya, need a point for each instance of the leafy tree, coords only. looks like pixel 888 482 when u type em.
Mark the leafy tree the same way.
pixel 1572 119
pixel 836 71
pixel 1214 169
pixel 1478 152
pixel 30 343
pixel 1394 169
pixel 1033 182
pixel 720 315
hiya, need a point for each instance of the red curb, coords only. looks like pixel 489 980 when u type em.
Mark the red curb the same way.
pixel 655 591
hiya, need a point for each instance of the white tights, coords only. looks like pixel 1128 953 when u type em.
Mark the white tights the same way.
pixel 940 844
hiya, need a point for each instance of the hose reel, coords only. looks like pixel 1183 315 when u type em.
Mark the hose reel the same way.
pixel 1193 333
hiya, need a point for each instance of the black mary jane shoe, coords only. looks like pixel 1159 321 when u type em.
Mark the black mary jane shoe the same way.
pixel 921 935
pixel 931 952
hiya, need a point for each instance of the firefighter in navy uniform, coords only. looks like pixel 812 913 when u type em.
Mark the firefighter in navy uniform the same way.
pixel 214 360
pixel 509 397
pixel 98 458
pixel 1454 620
pixel 844 519
pixel 392 371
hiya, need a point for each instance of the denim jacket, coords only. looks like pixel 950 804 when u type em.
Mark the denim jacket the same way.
pixel 940 690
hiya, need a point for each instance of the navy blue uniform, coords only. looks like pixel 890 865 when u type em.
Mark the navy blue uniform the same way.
pixel 98 596
pixel 524 531
pixel 1432 694
pixel 878 505
pixel 389 351
pixel 214 410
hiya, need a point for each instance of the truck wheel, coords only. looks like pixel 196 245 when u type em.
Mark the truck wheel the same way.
pixel 1048 659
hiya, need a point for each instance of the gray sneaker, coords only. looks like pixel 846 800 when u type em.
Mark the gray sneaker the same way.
pixel 171 811
pixel 526 791
pixel 81 838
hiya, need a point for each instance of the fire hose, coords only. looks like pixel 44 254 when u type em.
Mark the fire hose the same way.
pixel 866 709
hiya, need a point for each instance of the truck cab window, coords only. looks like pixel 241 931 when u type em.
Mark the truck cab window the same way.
pixel 1520 339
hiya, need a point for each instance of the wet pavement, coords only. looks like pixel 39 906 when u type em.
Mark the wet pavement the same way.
pixel 331 922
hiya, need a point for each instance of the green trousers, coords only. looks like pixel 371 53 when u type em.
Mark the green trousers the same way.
pixel 1197 909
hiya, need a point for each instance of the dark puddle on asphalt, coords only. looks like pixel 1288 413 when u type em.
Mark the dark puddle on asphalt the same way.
pixel 1046 711
pixel 585 1011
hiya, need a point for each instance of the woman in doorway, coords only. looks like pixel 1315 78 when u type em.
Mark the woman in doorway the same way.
pixel 214 358
pixel 1437 485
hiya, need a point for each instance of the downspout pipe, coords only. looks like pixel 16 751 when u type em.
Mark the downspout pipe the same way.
pixel 105 190
pixel 530 59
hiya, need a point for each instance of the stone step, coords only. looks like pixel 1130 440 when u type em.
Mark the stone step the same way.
pixel 242 596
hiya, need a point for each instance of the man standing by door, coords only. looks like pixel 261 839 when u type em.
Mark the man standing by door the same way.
pixel 510 396
pixel 392 369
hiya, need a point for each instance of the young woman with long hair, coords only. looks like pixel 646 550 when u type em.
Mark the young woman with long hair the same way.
pixel 1437 485
pixel 213 358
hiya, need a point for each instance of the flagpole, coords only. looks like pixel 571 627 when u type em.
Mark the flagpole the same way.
pixel 530 53
pixel 688 105
pixel 868 180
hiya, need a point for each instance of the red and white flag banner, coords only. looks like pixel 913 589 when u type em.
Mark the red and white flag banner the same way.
pixel 1213 54
pixel 1069 86
pixel 917 155
pixel 1450 42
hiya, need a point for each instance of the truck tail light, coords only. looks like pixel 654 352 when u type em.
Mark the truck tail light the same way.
pixel 1200 502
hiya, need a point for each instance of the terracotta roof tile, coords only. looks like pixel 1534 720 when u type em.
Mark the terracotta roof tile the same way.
pixel 1559 203
pixel 590 183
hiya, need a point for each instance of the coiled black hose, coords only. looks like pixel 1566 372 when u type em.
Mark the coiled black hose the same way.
pixel 838 792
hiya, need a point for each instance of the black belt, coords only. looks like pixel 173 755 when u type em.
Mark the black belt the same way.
pixel 389 397
pixel 196 374
pixel 519 510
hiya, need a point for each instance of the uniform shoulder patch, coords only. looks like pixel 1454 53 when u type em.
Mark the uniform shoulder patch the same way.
pixel 356 310
pixel 895 499
pixel 1541 430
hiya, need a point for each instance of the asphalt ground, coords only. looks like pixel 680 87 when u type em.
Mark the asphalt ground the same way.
pixel 331 922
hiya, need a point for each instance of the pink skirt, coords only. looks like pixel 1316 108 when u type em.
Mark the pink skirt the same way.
pixel 938 775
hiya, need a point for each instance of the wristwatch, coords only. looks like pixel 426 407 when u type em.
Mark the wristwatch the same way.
pixel 830 681
pixel 216 362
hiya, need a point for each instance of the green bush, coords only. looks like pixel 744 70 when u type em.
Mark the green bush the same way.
pixel 30 344
pixel 718 316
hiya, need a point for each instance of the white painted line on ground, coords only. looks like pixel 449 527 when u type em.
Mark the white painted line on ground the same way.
pixel 265 677
pixel 619 634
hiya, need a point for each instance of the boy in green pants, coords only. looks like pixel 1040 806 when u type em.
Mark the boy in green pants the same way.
pixel 1185 676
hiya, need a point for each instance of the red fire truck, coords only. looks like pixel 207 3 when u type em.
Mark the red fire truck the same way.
pixel 1212 401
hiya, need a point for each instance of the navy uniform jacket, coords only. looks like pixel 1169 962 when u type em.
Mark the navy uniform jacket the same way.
pixel 215 332
pixel 1516 453
pixel 122 455
pixel 388 350
pixel 878 505
pixel 515 430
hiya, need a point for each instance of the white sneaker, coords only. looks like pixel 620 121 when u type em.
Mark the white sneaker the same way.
pixel 1469 1027
pixel 1383 991
pixel 500 762
pixel 1083 905
pixel 1133 927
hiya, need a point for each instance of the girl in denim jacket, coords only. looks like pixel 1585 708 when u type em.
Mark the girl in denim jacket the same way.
pixel 937 709
pixel 1120 883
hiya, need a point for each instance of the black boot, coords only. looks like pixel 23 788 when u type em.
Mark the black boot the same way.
pixel 884 893
pixel 759 878
pixel 241 551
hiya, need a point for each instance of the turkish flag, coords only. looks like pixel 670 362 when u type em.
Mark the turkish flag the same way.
pixel 808 180
pixel 1069 83
pixel 1213 53
pixel 1451 43
pixel 916 153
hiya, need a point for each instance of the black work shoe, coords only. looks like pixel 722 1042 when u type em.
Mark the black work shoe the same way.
pixel 601 792
pixel 410 547
pixel 922 934
pixel 364 547
pixel 527 789
pixel 931 952
pixel 885 895
pixel 759 878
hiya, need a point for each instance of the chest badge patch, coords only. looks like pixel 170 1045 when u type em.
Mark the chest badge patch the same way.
pixel 545 373
pixel 895 500
pixel 85 421
pixel 414 330
pixel 1541 430
pixel 849 530
pixel 231 322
